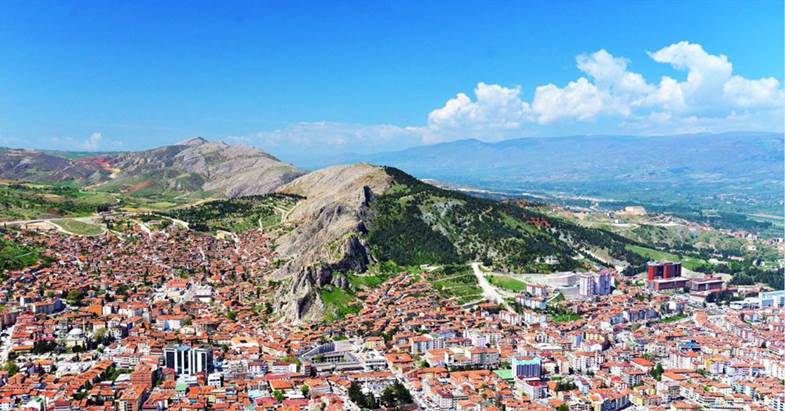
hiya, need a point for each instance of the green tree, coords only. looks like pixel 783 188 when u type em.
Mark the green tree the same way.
pixel 370 402
pixel 388 397
pixel 75 296
pixel 11 368
pixel 356 394
pixel 656 372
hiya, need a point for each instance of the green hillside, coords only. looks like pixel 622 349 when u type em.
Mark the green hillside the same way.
pixel 417 223
pixel 236 215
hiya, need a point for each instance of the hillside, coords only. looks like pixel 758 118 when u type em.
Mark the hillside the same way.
pixel 332 226
pixel 37 166
pixel 347 219
pixel 416 223
pixel 164 176
pixel 196 166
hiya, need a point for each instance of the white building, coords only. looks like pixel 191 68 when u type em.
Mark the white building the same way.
pixel 187 360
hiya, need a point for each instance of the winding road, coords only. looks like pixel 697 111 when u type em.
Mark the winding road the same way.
pixel 489 291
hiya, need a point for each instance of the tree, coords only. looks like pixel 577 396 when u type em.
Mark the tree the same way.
pixel 75 296
pixel 11 368
pixel 306 390
pixel 656 372
pixel 356 394
pixel 370 401
pixel 278 395
pixel 563 407
pixel 404 396
pixel 388 397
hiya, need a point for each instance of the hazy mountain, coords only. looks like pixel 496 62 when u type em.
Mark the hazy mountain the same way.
pixel 589 158
pixel 38 166
pixel 748 164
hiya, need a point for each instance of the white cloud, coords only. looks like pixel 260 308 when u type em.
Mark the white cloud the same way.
pixel 762 93
pixel 580 100
pixel 92 142
pixel 607 97
pixel 711 96
pixel 495 108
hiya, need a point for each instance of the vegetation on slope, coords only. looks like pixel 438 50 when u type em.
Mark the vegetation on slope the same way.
pixel 22 201
pixel 455 281
pixel 14 256
pixel 237 215
pixel 338 303
pixel 416 223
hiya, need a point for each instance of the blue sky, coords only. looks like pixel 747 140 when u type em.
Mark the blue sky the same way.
pixel 302 79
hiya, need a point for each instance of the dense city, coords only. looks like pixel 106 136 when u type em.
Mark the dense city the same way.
pixel 172 319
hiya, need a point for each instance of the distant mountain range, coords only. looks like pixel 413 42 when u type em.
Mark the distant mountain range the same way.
pixel 196 165
pixel 700 157
pixel 744 168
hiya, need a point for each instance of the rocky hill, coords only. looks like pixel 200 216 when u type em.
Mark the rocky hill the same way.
pixel 350 217
pixel 334 223
pixel 330 232
pixel 37 166
pixel 194 166
pixel 199 165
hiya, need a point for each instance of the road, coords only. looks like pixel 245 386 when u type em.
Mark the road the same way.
pixel 489 291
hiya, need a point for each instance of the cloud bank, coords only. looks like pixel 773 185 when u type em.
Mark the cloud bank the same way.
pixel 712 98
pixel 606 98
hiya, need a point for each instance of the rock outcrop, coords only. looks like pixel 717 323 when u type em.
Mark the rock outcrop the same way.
pixel 328 235
pixel 201 165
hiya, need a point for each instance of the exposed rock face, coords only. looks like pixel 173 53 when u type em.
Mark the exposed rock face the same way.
pixel 240 171
pixel 198 164
pixel 328 237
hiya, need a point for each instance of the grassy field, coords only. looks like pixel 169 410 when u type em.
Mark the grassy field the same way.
pixel 339 303
pixel 689 263
pixel 25 201
pixel 78 227
pixel 507 283
pixel 455 281
pixel 565 318
pixel 14 256
pixel 366 280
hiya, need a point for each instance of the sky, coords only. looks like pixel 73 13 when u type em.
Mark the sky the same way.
pixel 305 80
